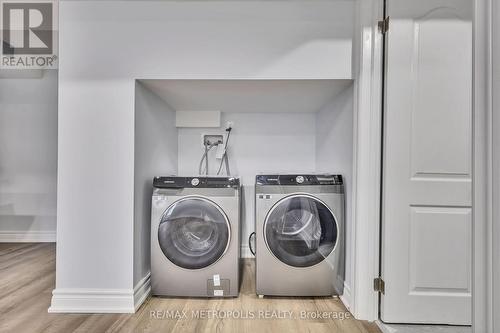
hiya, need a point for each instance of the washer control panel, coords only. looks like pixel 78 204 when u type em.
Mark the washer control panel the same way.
pixel 299 179
pixel 198 182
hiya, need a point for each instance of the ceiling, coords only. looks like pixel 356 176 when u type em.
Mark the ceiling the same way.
pixel 247 95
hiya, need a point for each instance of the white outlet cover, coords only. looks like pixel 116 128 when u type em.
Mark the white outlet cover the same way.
pixel 211 135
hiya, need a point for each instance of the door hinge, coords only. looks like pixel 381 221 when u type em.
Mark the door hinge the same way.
pixel 383 25
pixel 379 285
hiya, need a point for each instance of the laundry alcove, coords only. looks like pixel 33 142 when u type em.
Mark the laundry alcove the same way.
pixel 279 126
pixel 285 72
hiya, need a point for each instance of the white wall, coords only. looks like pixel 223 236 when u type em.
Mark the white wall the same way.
pixel 259 143
pixel 28 158
pixel 155 155
pixel 120 41
pixel 334 154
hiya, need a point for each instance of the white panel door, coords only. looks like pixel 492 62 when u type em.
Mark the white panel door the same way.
pixel 426 237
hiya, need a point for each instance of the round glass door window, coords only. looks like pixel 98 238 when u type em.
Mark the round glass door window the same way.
pixel 194 233
pixel 300 231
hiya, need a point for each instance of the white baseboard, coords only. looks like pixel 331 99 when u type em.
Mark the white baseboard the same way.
pixel 405 328
pixel 383 328
pixel 346 297
pixel 27 236
pixel 92 301
pixel 142 291
pixel 245 252
pixel 101 300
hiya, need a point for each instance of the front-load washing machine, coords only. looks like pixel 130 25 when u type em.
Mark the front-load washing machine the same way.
pixel 195 236
pixel 299 229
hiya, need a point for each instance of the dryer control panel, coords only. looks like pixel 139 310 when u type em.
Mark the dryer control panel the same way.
pixel 297 179
pixel 195 182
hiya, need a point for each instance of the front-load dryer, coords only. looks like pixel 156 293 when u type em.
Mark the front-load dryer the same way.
pixel 299 229
pixel 195 236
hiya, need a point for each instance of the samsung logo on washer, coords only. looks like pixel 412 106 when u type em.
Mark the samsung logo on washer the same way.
pixel 29 35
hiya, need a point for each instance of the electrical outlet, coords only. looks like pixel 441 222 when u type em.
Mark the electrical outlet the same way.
pixel 212 139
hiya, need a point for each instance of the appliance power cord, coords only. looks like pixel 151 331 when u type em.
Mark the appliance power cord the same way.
pixel 250 242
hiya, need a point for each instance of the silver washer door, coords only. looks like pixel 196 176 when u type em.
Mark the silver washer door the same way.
pixel 300 230
pixel 194 233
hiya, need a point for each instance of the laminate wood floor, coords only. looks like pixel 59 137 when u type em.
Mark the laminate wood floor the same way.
pixel 27 278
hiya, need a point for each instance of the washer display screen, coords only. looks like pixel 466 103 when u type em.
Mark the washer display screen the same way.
pixel 300 231
pixel 193 233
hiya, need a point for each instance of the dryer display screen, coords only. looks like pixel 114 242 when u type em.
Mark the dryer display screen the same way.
pixel 300 231
pixel 194 233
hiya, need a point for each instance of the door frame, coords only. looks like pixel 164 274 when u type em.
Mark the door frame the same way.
pixel 495 110
pixel 365 240
pixel 486 159
pixel 367 157
pixel 485 184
